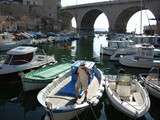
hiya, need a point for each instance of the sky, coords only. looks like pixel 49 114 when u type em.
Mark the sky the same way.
pixel 102 21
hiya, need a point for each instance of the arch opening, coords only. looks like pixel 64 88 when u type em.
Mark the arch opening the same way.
pixel 142 22
pixel 68 21
pixel 74 23
pixel 94 19
pixel 126 21
pixel 101 23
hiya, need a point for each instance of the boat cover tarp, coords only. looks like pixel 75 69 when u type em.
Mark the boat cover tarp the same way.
pixel 49 72
pixel 68 90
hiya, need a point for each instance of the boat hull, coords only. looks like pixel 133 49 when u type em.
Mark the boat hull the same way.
pixel 105 51
pixel 14 76
pixel 29 85
pixel 130 62
pixel 152 90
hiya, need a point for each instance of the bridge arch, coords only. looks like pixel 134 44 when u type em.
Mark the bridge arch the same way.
pixel 66 20
pixel 123 18
pixel 89 18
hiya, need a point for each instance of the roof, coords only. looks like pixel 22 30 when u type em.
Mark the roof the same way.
pixel 22 50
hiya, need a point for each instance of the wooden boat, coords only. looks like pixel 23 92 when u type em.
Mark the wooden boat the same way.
pixel 127 95
pixel 152 82
pixel 58 97
pixel 38 79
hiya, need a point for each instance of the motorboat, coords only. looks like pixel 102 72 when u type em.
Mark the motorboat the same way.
pixel 127 95
pixel 151 82
pixel 132 50
pixel 38 79
pixel 120 52
pixel 115 45
pixel 150 39
pixel 144 57
pixel 58 97
pixel 8 41
pixel 22 58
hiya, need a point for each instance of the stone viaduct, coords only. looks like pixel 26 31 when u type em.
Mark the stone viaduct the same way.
pixel 118 13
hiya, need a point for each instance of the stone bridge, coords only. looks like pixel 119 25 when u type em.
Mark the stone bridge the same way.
pixel 118 13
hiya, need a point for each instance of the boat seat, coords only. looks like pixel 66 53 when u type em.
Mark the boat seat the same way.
pixel 138 98
pixel 123 90
pixel 133 88
pixel 112 85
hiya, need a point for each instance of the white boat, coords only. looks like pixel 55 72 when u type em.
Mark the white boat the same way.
pixel 152 82
pixel 7 42
pixel 127 95
pixel 150 39
pixel 114 46
pixel 38 79
pixel 131 51
pixel 22 58
pixel 143 58
pixel 58 97
pixel 120 52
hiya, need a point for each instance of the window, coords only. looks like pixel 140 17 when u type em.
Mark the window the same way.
pixel 19 59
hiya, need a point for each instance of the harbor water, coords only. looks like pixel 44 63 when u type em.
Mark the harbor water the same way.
pixel 15 104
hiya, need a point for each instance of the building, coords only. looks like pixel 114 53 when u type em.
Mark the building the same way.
pixel 29 15
pixel 33 2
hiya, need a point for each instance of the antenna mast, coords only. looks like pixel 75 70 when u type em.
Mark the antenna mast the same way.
pixel 141 14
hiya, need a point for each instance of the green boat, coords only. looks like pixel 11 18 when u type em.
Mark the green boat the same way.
pixel 38 79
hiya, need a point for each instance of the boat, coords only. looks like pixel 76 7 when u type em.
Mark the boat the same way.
pixel 131 51
pixel 145 57
pixel 9 41
pixel 127 95
pixel 115 45
pixel 151 81
pixel 58 97
pixel 37 79
pixel 120 52
pixel 150 39
pixel 22 58
pixel 6 41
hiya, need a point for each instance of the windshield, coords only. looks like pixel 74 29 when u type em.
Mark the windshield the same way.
pixel 19 59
